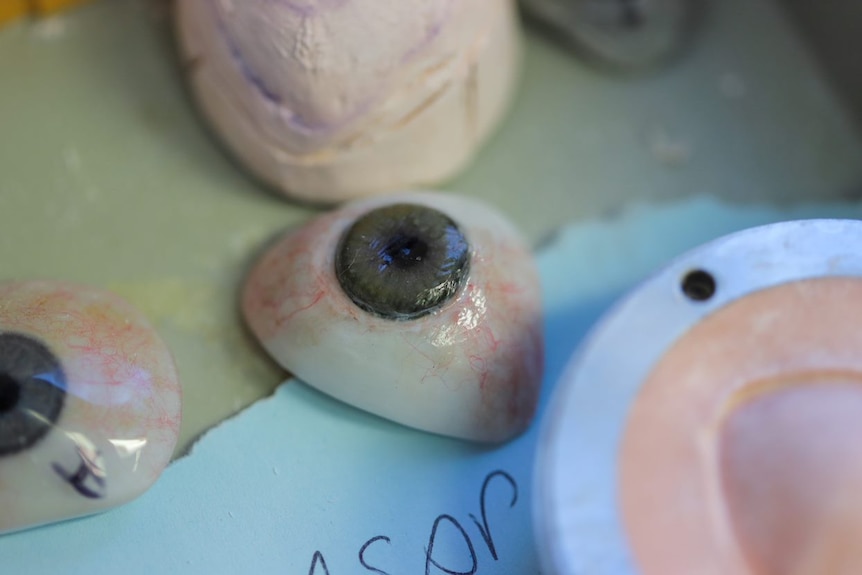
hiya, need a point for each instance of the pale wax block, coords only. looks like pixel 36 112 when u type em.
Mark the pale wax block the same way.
pixel 300 476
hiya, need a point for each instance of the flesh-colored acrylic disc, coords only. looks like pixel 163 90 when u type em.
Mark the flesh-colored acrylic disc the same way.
pixel 638 466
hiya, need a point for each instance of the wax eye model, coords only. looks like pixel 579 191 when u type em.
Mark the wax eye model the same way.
pixel 89 403
pixel 422 308
pixel 628 35
pixel 329 100
pixel 715 416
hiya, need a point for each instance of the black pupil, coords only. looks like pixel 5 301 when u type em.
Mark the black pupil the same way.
pixel 403 251
pixel 10 392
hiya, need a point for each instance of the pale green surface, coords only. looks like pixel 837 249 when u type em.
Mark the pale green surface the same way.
pixel 108 177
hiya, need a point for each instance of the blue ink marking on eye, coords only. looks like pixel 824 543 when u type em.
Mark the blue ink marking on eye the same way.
pixel 79 478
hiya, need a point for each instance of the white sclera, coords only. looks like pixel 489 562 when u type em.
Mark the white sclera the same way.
pixel 333 100
pixel 471 369
pixel 121 412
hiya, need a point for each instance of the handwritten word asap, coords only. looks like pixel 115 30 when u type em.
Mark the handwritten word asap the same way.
pixel 433 564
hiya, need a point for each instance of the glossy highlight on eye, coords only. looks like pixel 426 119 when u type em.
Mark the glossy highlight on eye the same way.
pixel 89 403
pixel 468 360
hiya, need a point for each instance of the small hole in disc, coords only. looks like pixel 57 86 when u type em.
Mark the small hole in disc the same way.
pixel 698 285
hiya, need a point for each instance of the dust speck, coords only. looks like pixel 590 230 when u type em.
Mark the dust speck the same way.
pixel 72 159
pixel 50 29
pixel 732 86
pixel 668 150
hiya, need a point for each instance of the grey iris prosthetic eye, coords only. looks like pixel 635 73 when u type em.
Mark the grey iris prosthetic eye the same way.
pixel 423 308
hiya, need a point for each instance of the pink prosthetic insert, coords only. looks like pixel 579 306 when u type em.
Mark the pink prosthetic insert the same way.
pixel 470 369
pixel 741 454
pixel 89 403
